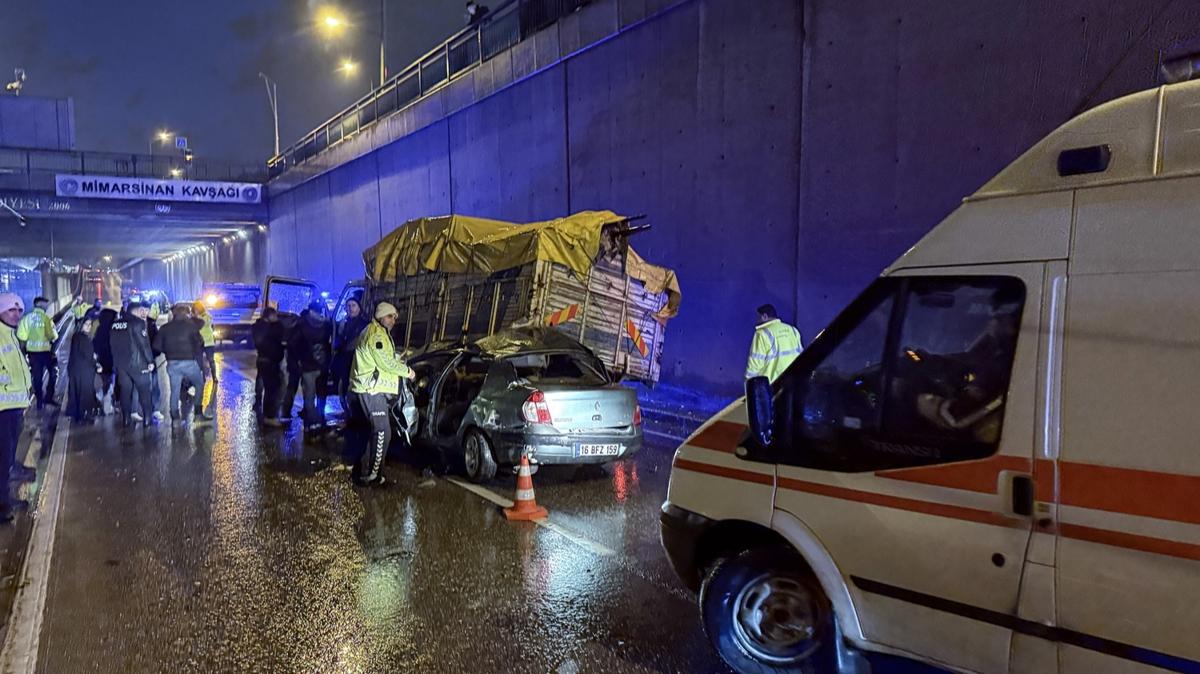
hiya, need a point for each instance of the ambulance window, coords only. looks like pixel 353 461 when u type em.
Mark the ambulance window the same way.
pixel 915 373
pixel 952 361
pixel 838 400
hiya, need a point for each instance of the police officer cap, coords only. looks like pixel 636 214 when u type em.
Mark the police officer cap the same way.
pixel 10 300
pixel 385 309
pixel 134 306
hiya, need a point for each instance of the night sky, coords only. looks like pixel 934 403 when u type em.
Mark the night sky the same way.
pixel 135 66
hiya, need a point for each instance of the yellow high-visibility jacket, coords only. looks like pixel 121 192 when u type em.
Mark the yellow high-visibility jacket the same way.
pixel 776 344
pixel 36 329
pixel 15 380
pixel 206 330
pixel 377 366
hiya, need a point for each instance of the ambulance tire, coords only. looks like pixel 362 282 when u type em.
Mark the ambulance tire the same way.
pixel 750 605
pixel 479 463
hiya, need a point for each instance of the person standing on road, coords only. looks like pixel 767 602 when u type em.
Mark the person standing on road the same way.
pixel 133 360
pixel 106 317
pixel 15 382
pixel 343 359
pixel 776 344
pixel 375 383
pixel 268 342
pixel 295 351
pixel 180 341
pixel 205 321
pixel 82 368
pixel 315 336
pixel 36 331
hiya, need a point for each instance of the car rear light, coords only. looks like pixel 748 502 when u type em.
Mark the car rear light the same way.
pixel 535 410
pixel 637 415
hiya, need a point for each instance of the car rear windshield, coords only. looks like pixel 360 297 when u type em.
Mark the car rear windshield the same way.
pixel 559 368
pixel 237 299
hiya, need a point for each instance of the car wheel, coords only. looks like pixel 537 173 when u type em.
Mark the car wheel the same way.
pixel 765 614
pixel 479 463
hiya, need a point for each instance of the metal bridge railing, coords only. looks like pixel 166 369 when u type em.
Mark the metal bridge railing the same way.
pixel 35 169
pixel 511 23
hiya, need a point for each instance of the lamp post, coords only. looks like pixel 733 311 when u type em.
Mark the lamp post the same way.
pixel 273 99
pixel 332 22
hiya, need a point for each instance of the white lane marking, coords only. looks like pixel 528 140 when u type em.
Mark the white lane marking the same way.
pixel 660 434
pixel 20 652
pixel 576 538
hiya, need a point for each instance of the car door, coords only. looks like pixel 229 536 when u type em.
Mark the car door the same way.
pixel 906 432
pixel 291 295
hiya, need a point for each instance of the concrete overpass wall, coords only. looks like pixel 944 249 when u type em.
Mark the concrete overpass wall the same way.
pixel 784 152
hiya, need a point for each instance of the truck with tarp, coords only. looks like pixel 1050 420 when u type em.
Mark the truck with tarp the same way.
pixel 456 278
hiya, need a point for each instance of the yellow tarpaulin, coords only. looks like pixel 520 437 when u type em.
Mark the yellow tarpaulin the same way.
pixel 462 244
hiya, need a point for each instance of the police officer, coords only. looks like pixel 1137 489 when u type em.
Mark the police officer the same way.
pixel 15 383
pixel 776 344
pixel 36 331
pixel 205 322
pixel 375 383
pixel 134 362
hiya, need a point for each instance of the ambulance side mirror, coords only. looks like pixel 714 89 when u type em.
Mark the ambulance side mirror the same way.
pixel 761 409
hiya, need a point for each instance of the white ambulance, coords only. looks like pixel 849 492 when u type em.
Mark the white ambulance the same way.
pixel 990 461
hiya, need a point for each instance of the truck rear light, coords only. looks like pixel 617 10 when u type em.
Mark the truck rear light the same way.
pixel 637 414
pixel 535 410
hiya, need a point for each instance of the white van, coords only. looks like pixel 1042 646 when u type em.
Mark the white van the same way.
pixel 990 461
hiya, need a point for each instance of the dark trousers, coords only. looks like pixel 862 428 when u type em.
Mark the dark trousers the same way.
pixel 376 407
pixel 266 391
pixel 81 394
pixel 210 355
pixel 129 382
pixel 41 365
pixel 10 433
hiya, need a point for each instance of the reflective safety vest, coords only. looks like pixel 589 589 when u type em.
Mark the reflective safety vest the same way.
pixel 377 366
pixel 14 372
pixel 36 329
pixel 79 311
pixel 206 330
pixel 776 344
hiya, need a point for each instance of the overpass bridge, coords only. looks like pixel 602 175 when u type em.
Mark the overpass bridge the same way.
pixel 162 219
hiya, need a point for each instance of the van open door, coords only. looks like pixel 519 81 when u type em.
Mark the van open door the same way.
pixel 289 295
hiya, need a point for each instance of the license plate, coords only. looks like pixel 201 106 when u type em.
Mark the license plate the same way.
pixel 588 449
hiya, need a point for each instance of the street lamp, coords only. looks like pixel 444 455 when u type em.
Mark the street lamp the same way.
pixel 162 137
pixel 348 67
pixel 273 99
pixel 175 173
pixel 333 23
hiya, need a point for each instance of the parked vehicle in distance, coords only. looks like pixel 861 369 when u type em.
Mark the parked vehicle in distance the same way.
pixel 234 308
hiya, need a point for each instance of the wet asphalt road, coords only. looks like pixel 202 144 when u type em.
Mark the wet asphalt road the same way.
pixel 221 548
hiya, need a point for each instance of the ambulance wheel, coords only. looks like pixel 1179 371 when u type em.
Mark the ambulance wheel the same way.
pixel 479 463
pixel 765 614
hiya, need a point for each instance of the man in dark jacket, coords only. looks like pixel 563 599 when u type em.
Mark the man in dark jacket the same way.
pixel 179 340
pixel 345 341
pixel 314 335
pixel 267 333
pixel 133 361
pixel 104 354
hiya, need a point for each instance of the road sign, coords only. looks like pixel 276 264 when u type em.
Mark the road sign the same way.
pixel 181 142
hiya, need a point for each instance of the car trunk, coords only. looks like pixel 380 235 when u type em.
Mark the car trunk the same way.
pixel 589 408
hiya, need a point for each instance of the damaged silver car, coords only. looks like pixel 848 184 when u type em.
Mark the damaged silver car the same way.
pixel 521 391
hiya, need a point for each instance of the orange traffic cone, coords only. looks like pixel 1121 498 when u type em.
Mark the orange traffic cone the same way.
pixel 526 508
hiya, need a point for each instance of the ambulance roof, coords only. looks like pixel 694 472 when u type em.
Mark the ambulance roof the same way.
pixel 1148 135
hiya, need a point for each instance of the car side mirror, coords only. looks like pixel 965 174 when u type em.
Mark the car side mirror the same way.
pixel 761 409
